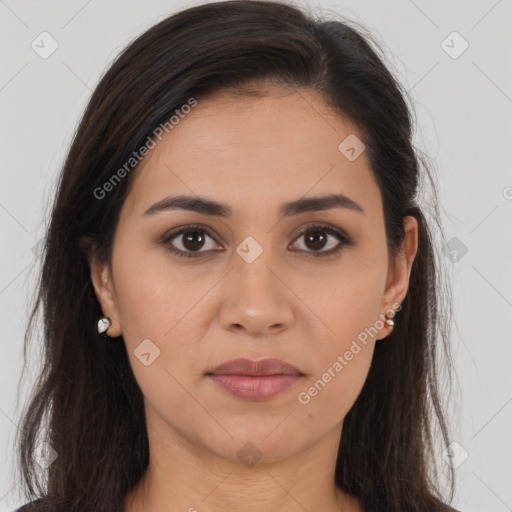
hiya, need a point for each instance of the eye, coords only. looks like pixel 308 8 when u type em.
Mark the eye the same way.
pixel 316 238
pixel 189 240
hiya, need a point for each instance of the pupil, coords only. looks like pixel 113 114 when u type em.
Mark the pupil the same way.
pixel 189 242
pixel 315 236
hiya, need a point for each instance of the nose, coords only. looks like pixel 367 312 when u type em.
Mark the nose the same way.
pixel 257 300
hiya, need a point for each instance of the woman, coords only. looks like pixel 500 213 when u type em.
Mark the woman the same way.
pixel 235 229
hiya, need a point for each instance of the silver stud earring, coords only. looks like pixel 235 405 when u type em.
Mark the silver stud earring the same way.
pixel 390 322
pixel 103 325
pixel 389 319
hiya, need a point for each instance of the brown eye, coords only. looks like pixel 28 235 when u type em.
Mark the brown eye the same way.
pixel 189 241
pixel 193 240
pixel 315 240
pixel 321 240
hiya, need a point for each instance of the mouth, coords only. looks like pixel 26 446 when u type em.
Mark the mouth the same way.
pixel 255 380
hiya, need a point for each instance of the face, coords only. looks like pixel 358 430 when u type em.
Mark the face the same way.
pixel 309 287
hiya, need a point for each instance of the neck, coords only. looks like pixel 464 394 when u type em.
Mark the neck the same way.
pixel 187 477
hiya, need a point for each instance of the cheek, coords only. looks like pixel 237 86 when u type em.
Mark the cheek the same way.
pixel 153 294
pixel 348 307
pixel 334 388
pixel 349 310
pixel 343 356
pixel 158 311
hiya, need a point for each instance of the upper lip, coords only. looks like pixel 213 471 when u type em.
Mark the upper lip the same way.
pixel 242 366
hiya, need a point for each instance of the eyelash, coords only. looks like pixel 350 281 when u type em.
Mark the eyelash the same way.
pixel 342 238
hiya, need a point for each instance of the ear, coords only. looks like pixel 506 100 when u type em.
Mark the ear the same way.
pixel 400 269
pixel 101 277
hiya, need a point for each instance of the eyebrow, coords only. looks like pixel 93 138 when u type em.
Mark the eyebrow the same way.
pixel 207 206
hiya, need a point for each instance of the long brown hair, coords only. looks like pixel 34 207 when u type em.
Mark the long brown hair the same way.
pixel 87 404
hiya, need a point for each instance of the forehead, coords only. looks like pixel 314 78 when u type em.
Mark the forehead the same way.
pixel 255 150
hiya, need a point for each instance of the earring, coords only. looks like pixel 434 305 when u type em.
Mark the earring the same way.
pixel 103 325
pixel 389 320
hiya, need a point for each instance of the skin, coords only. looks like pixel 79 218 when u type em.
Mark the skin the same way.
pixel 253 153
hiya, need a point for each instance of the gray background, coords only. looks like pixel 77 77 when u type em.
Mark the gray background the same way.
pixel 463 108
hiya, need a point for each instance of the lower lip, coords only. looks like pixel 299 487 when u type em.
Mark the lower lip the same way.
pixel 255 388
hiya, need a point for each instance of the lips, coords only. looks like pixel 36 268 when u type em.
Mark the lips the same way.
pixel 249 367
pixel 255 380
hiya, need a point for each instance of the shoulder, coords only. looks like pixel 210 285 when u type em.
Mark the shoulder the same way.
pixel 33 506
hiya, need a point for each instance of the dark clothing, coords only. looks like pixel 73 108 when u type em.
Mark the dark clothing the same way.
pixel 33 506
